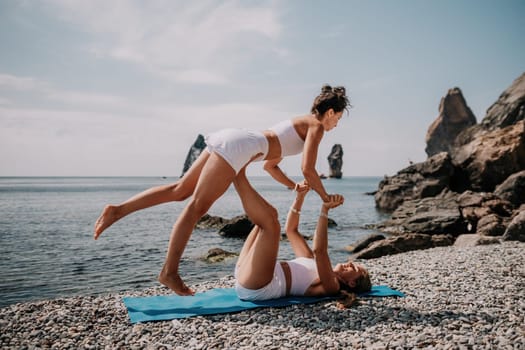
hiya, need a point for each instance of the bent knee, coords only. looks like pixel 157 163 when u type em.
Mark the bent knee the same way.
pixel 199 206
pixel 271 221
pixel 180 190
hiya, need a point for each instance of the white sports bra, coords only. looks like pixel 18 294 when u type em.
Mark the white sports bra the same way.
pixel 291 142
pixel 303 272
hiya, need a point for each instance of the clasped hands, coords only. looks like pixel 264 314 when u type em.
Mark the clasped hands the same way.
pixel 333 200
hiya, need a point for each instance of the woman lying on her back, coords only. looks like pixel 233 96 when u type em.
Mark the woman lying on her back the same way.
pixel 259 276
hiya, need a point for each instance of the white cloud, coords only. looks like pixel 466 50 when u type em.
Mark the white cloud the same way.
pixel 200 41
pixel 17 83
pixel 44 89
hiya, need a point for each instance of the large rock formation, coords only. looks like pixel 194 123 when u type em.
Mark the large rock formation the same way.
pixel 513 189
pixel 417 181
pixel 335 161
pixel 491 157
pixel 454 117
pixel 509 108
pixel 478 159
pixel 194 153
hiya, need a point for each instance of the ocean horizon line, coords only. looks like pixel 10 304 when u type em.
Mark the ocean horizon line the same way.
pixel 152 176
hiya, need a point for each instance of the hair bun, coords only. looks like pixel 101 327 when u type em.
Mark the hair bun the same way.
pixel 326 88
pixel 340 90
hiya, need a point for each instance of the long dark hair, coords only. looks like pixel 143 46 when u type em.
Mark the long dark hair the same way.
pixel 362 284
pixel 334 98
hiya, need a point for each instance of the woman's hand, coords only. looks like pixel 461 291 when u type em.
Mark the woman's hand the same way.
pixel 334 200
pixel 302 188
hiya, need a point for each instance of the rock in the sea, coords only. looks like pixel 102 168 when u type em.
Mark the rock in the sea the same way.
pixel 454 117
pixel 516 229
pixel 215 255
pixel 239 227
pixel 513 189
pixel 335 161
pixel 194 153
pixel 403 243
pixel 420 180
pixel 209 221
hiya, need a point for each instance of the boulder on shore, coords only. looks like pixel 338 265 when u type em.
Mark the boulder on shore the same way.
pixel 491 158
pixel 403 243
pixel 421 180
pixel 516 229
pixel 513 189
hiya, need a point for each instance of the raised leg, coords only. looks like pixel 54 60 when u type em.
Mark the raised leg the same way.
pixel 177 191
pixel 214 180
pixel 259 254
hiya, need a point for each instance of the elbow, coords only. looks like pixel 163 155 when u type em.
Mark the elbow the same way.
pixel 291 230
pixel 268 167
pixel 319 252
pixel 308 173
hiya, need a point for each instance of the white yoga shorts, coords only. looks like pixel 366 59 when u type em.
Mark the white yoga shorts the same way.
pixel 273 290
pixel 237 146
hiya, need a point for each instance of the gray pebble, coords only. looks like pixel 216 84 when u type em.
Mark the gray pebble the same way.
pixel 456 299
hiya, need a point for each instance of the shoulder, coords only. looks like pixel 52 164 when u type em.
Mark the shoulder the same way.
pixel 318 289
pixel 308 126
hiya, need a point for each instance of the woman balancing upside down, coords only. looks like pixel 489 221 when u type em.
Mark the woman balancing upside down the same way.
pixel 258 274
pixel 227 152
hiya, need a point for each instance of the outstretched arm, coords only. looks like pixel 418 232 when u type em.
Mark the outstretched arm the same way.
pixel 297 241
pixel 329 282
pixel 272 167
pixel 311 145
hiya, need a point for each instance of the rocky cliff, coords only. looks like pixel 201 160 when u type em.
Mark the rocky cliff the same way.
pixel 474 179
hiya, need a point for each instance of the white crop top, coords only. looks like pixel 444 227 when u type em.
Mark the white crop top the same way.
pixel 291 142
pixel 303 272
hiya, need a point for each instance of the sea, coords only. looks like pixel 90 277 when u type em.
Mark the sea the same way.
pixel 47 248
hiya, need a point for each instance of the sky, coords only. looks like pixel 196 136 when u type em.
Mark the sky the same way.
pixel 123 88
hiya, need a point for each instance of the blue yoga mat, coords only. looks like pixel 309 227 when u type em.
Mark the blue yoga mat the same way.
pixel 217 301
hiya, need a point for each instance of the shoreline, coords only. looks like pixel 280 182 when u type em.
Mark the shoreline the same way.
pixel 455 297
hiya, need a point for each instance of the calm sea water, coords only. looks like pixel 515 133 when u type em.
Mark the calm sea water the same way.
pixel 46 229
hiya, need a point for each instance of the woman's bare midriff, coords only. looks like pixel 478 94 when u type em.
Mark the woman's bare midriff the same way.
pixel 274 146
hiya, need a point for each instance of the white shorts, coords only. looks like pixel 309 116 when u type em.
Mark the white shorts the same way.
pixel 273 290
pixel 237 146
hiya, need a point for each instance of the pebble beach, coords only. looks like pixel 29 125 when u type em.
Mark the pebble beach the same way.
pixel 456 298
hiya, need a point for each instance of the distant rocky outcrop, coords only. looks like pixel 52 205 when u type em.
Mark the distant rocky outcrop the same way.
pixel 472 184
pixel 195 150
pixel 335 161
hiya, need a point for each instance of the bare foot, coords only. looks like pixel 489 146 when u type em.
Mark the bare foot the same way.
pixel 107 218
pixel 175 283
